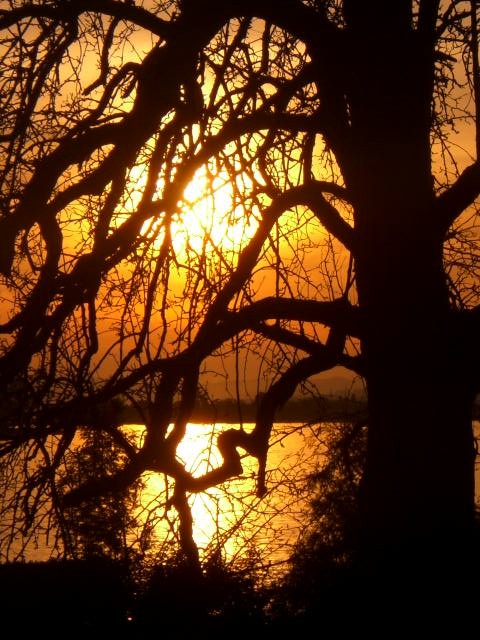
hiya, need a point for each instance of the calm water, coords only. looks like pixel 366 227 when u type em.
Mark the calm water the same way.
pixel 231 517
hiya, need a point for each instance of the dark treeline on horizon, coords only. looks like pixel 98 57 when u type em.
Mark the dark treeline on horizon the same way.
pixel 331 407
pixel 308 409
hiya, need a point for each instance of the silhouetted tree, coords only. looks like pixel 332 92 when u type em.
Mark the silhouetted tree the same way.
pixel 84 596
pixel 319 583
pixel 221 600
pixel 104 526
pixel 287 184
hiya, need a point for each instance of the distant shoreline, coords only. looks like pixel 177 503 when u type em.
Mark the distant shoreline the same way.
pixel 326 409
pixel 308 410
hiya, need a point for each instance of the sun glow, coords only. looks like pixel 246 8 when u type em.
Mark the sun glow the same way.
pixel 212 511
pixel 215 511
pixel 231 516
pixel 210 218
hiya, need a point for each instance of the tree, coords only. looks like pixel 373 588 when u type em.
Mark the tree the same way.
pixel 330 150
pixel 100 528
pixel 321 571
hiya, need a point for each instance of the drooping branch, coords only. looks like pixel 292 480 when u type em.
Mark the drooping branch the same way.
pixel 277 395
pixel 187 541
pixel 336 313
pixel 463 193
pixel 158 453
pixel 74 8
pixel 313 347
pixel 256 442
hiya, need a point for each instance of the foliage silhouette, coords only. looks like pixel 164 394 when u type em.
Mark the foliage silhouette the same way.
pixel 328 585
pixel 102 526
pixel 218 600
pixel 321 580
pixel 56 597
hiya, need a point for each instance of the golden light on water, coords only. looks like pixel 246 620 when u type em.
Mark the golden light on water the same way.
pixel 199 454
pixel 216 510
pixel 231 515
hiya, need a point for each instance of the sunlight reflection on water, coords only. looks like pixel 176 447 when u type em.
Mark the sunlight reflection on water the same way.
pixel 230 516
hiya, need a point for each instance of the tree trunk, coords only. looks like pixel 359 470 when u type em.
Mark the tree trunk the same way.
pixel 417 503
pixel 420 469
pixel 419 480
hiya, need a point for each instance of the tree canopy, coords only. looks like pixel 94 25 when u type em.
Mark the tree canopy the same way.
pixel 258 190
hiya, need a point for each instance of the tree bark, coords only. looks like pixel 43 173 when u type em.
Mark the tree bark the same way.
pixel 417 532
pixel 417 502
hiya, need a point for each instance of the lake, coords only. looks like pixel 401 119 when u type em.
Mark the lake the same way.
pixel 231 517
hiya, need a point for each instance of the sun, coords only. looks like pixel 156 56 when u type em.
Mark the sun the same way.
pixel 210 218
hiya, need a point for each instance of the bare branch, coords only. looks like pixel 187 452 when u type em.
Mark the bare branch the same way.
pixel 72 9
pixel 463 193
